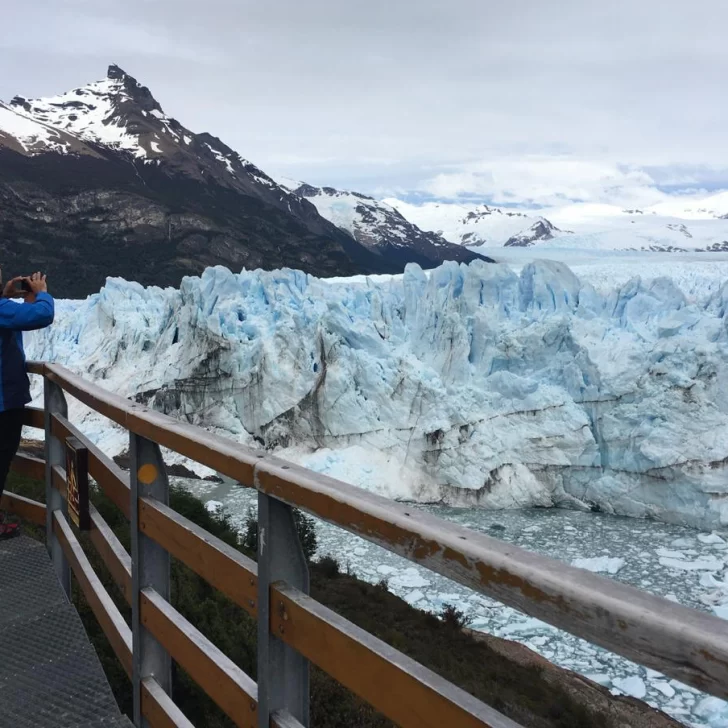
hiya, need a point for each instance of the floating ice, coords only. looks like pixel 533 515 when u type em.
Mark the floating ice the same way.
pixel 603 564
pixel 712 538
pixel 414 597
pixel 634 686
pixel 665 688
pixel 409 578
pixel 705 564
pixel 670 554
pixel 714 711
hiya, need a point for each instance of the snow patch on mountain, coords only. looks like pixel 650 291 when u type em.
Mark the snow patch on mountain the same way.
pixel 28 136
pixel 472 385
pixel 90 112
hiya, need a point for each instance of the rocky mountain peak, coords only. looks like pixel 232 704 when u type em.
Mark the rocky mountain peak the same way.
pixel 117 73
pixel 131 88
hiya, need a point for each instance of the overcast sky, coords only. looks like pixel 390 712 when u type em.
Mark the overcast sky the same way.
pixel 526 102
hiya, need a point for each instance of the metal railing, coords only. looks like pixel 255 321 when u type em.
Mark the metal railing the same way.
pixel 293 629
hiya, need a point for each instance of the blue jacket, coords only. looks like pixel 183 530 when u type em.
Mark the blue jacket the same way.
pixel 14 319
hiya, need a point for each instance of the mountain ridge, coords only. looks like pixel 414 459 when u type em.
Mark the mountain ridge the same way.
pixel 99 181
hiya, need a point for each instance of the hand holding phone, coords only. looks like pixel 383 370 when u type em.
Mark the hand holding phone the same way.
pixel 22 286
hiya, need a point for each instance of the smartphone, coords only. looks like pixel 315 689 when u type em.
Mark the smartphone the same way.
pixel 22 286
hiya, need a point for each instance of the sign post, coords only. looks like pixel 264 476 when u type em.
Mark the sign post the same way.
pixel 77 479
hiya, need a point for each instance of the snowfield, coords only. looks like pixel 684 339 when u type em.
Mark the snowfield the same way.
pixel 472 384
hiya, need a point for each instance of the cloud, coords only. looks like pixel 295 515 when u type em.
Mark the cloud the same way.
pixel 505 99
pixel 546 181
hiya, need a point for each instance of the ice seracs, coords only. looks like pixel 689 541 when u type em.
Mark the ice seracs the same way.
pixel 471 384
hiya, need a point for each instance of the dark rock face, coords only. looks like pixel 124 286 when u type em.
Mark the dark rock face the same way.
pixel 161 204
pixel 81 219
pixel 541 230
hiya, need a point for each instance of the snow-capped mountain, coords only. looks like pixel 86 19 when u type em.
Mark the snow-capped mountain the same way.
pixel 471 384
pixel 679 225
pixel 380 227
pixel 706 208
pixel 100 181
pixel 480 225
pixel 675 226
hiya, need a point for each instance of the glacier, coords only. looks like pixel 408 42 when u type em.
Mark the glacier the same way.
pixel 466 385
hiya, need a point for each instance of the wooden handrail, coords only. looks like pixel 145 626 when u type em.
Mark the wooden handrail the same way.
pixel 112 553
pixel 220 454
pixel 34 417
pixel 222 566
pixel 108 616
pixel 397 686
pixel 683 643
pixel 212 670
pixel 26 508
pixel 29 466
pixel 159 709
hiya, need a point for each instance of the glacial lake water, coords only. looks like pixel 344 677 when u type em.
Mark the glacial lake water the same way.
pixel 679 563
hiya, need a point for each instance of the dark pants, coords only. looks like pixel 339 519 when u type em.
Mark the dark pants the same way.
pixel 11 427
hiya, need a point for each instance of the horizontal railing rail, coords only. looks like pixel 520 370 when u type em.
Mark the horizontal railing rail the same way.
pixel 683 643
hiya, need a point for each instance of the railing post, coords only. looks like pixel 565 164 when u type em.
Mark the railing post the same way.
pixel 283 674
pixel 55 454
pixel 150 568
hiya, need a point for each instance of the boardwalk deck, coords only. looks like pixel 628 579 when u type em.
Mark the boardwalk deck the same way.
pixel 50 676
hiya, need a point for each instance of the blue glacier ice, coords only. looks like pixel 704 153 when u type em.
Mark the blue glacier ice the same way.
pixel 469 384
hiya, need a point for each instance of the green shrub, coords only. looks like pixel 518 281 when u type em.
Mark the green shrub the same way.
pixel 329 567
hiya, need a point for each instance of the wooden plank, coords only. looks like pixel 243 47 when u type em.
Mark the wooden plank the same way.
pixel 158 708
pixel 110 477
pixel 220 454
pixel 222 566
pixel 397 686
pixel 117 631
pixel 686 644
pixel 34 417
pixel 29 466
pixel 24 508
pixel 233 691
pixel 58 479
pixel 112 553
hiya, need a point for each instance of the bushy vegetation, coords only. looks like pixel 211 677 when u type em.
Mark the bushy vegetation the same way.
pixel 439 643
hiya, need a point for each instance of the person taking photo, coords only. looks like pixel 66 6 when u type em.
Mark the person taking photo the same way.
pixel 35 312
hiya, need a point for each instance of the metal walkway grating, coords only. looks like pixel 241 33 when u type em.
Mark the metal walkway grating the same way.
pixel 50 676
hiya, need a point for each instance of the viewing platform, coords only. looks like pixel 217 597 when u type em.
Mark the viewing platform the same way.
pixel 50 675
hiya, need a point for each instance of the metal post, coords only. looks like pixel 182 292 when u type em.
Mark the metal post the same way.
pixel 150 568
pixel 283 674
pixel 55 454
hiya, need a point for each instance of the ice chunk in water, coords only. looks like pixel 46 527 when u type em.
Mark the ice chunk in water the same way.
pixel 634 686
pixel 603 564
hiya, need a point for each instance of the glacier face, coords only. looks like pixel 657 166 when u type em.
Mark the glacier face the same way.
pixel 470 384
